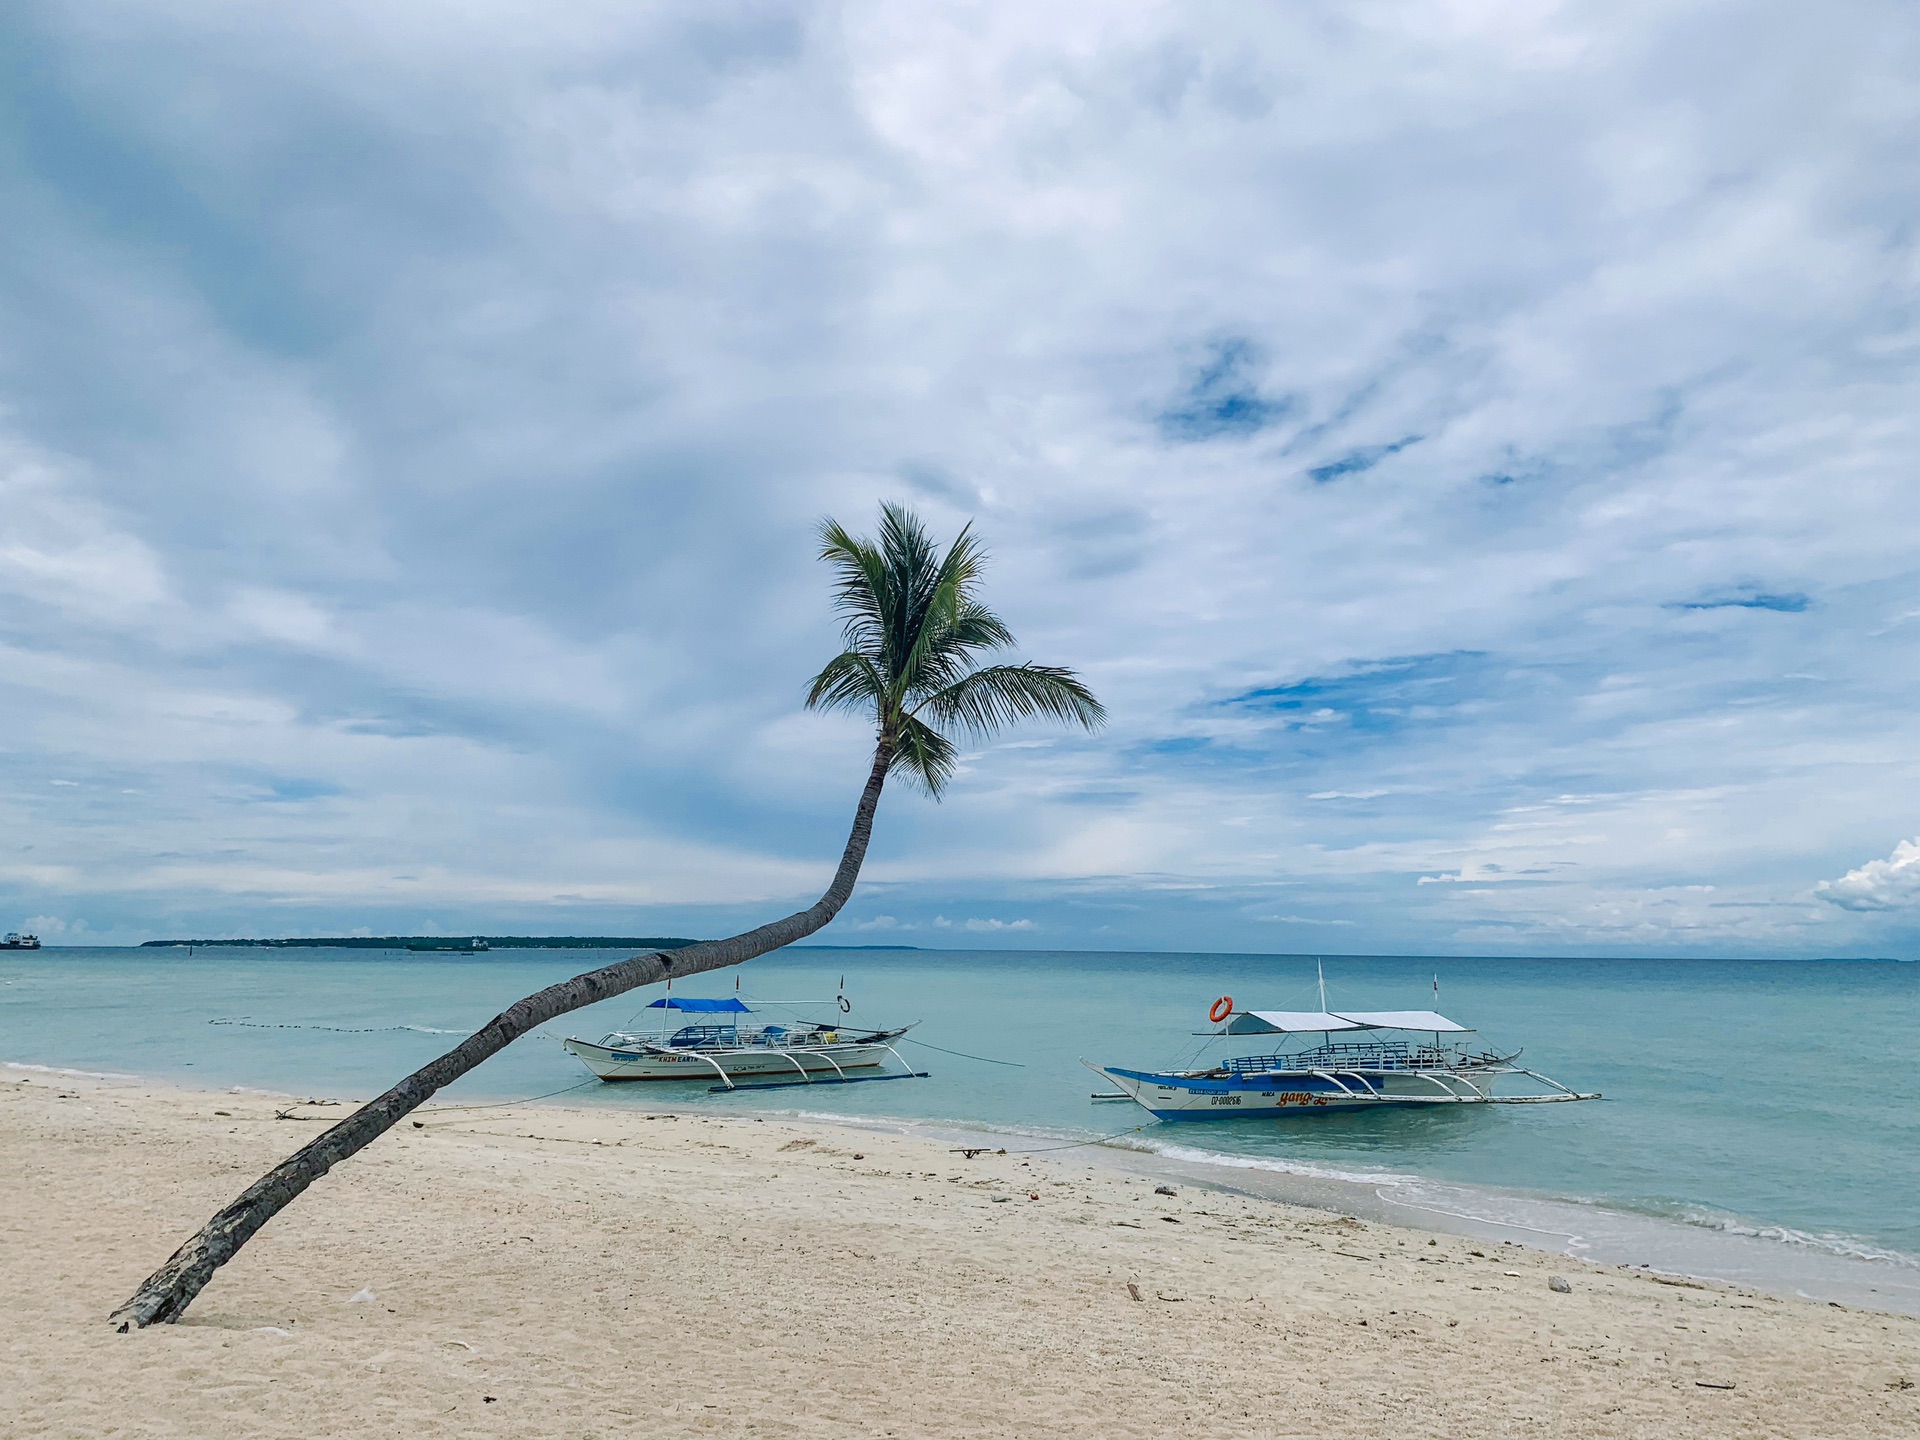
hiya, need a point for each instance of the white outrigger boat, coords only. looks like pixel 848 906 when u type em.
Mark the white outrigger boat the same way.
pixel 1309 1072
pixel 719 1047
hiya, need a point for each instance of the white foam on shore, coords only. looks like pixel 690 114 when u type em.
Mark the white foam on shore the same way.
pixel 1256 1162
pixel 916 1124
pixel 1830 1242
pixel 1551 1215
pixel 63 1070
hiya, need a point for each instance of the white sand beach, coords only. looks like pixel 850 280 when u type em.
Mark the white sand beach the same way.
pixel 552 1272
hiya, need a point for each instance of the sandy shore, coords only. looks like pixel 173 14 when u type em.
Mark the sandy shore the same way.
pixel 551 1272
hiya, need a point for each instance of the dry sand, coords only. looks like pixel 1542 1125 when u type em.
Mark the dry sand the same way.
pixel 552 1272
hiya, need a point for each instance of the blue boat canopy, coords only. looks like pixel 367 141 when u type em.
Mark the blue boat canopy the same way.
pixel 728 1006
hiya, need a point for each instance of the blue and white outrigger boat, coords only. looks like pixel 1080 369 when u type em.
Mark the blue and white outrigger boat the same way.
pixel 1380 1058
pixel 741 1056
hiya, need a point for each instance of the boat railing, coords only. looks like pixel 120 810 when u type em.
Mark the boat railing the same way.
pixel 1375 1055
pixel 704 1037
pixel 810 1038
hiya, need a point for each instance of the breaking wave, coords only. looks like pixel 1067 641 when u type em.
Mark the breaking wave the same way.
pixel 1829 1242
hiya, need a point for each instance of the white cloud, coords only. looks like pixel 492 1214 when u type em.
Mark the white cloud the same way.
pixel 295 620
pixel 1499 414
pixel 1889 884
pixel 990 925
pixel 59 547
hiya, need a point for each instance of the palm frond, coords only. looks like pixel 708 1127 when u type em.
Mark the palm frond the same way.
pixel 913 578
pixel 953 650
pixel 861 585
pixel 992 698
pixel 924 756
pixel 847 682
pixel 975 627
pixel 929 646
pixel 915 634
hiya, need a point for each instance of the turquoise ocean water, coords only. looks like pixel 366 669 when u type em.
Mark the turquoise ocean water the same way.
pixel 1762 1118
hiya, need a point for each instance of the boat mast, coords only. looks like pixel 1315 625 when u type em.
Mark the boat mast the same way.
pixel 1322 970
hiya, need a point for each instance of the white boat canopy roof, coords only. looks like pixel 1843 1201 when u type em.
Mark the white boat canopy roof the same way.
pixel 1288 1022
pixel 1296 1022
pixel 1406 1020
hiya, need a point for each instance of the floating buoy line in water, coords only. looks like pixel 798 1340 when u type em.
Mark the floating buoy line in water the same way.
pixel 338 1029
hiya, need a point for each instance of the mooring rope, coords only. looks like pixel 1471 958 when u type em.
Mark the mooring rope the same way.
pixel 508 1104
pixel 984 1060
pixel 1080 1144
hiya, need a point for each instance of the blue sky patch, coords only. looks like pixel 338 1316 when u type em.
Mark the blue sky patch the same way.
pixel 288 788
pixel 1381 696
pixel 1354 462
pixel 1788 603
pixel 1224 399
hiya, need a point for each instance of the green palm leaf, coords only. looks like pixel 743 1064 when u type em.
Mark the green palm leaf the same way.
pixel 916 632
pixel 991 699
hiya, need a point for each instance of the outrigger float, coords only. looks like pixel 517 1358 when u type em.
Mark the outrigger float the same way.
pixel 765 1056
pixel 1396 1065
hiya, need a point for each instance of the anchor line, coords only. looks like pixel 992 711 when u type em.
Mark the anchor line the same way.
pixel 507 1104
pixel 1080 1144
pixel 984 1060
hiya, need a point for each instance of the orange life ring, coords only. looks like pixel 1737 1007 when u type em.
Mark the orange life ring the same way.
pixel 1222 1008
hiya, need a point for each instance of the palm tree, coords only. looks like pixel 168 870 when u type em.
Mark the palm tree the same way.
pixel 915 629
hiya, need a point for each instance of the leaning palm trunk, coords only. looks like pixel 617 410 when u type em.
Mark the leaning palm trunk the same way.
pixel 171 1288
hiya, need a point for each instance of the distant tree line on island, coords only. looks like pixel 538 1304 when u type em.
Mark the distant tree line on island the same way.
pixel 447 942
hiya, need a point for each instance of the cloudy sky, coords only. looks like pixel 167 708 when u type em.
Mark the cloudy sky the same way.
pixel 1469 444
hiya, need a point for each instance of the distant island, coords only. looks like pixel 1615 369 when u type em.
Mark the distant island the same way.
pixel 460 943
pixel 853 947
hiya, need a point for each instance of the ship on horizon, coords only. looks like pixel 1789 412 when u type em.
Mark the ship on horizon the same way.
pixel 16 941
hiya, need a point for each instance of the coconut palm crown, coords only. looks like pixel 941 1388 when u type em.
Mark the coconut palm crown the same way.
pixel 915 635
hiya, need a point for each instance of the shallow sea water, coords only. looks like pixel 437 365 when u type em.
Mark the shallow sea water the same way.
pixel 1761 1110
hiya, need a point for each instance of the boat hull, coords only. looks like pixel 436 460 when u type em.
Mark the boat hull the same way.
pixel 825 1062
pixel 1200 1097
